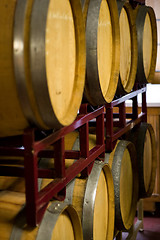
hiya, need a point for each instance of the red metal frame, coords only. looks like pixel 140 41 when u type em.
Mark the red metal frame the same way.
pixel 37 201
pixel 122 123
pixel 31 149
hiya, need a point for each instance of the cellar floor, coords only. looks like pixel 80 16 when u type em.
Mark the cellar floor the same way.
pixel 151 224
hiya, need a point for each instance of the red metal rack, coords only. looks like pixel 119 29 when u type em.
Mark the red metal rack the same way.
pixel 30 148
pixel 126 121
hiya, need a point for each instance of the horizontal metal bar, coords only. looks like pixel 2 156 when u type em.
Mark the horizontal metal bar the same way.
pixel 72 154
pixel 128 126
pixel 69 154
pixel 128 115
pixel 80 121
pixel 19 172
pixel 58 184
pixel 126 97
pixel 81 164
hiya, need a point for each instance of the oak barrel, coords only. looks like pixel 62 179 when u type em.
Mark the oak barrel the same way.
pixel 122 161
pixel 128 48
pixel 60 221
pixel 145 143
pixel 93 198
pixel 102 50
pixel 147 43
pixel 42 64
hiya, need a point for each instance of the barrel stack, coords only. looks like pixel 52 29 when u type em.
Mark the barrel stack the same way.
pixel 55 55
pixel 147 43
pixel 42 64
pixel 128 48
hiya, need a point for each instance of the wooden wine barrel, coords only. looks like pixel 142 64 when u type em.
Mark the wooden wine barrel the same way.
pixel 147 43
pixel 144 140
pixel 128 48
pixel 125 177
pixel 102 49
pixel 60 221
pixel 42 64
pixel 93 198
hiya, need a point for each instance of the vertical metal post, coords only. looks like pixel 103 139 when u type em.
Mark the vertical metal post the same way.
pixel 100 132
pixel 31 176
pixel 59 158
pixel 84 140
pixel 122 115
pixel 59 163
pixel 84 145
pixel 135 108
pixel 109 127
pixel 144 106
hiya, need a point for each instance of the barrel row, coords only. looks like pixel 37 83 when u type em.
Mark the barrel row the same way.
pixel 95 207
pixel 54 53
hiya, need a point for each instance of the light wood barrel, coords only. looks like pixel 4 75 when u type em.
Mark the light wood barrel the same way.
pixel 147 43
pixel 102 49
pixel 128 48
pixel 42 64
pixel 60 221
pixel 93 198
pixel 144 140
pixel 125 177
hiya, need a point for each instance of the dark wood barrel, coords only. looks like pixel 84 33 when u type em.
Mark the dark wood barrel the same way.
pixel 102 50
pixel 128 48
pixel 144 141
pixel 125 177
pixel 60 220
pixel 42 64
pixel 147 43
